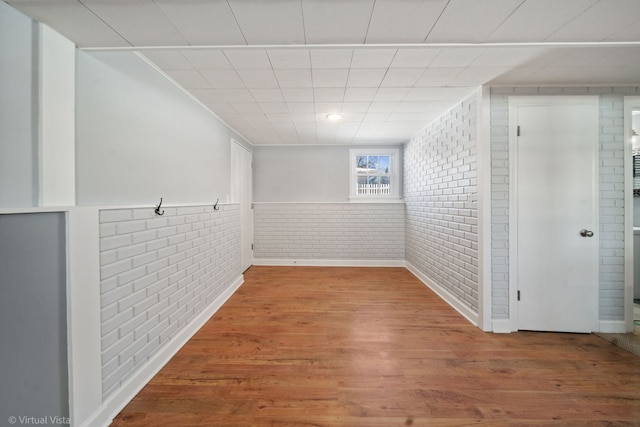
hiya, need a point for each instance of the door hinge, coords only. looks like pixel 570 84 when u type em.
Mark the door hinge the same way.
pixel 252 246
pixel 518 295
pixel 518 130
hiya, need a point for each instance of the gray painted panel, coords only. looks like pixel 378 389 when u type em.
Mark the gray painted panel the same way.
pixel 33 326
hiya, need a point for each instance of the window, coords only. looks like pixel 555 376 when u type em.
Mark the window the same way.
pixel 374 174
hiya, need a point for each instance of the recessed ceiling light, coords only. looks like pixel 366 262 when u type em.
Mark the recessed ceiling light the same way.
pixel 334 116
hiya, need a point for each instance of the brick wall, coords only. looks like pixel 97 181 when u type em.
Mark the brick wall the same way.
pixel 157 274
pixel 329 231
pixel 440 190
pixel 611 200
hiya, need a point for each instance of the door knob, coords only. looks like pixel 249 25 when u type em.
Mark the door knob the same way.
pixel 586 233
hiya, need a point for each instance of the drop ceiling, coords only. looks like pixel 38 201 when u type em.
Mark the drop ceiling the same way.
pixel 273 69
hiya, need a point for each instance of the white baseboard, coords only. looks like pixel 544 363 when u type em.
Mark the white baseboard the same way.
pixel 612 326
pixel 331 262
pixel 502 326
pixel 122 396
pixel 443 293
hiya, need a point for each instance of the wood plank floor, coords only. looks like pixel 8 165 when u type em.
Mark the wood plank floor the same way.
pixel 313 346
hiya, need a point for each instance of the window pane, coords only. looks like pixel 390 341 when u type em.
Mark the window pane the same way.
pixel 385 180
pixel 373 164
pixel 385 164
pixel 361 164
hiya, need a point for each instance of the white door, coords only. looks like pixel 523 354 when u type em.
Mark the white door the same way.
pixel 554 218
pixel 241 192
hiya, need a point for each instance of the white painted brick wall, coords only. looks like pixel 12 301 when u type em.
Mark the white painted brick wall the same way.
pixel 157 274
pixel 440 190
pixel 611 227
pixel 330 231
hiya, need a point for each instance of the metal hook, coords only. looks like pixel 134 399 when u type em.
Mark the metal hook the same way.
pixel 157 211
pixel 216 207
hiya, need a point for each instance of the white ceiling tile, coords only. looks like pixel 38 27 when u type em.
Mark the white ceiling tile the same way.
pixel 414 57
pixel 330 58
pixel 328 94
pixel 274 107
pixel 440 93
pixel 535 20
pixel 336 21
pixel 207 58
pixel 208 96
pixel 247 107
pixel 391 93
pixel 167 59
pixel 407 117
pixel 301 108
pixel 220 107
pixel 308 117
pixel 506 56
pixel 359 94
pixel 289 78
pixel 141 23
pixel 290 58
pixel 223 79
pixel 267 95
pixel 259 79
pixel 438 77
pixel 599 22
pixel 330 77
pixel 324 108
pixel 298 95
pixel 383 106
pixel 248 59
pixel 189 79
pixel 621 56
pixel 471 20
pixel 236 95
pixel 456 57
pixel 403 21
pixel 375 117
pixel 366 77
pixel 257 18
pixel 630 32
pixel 354 107
pixel 73 20
pixel 401 77
pixel 202 23
pixel 515 75
pixel 476 76
pixel 372 58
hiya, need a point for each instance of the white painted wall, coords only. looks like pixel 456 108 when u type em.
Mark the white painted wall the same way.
pixel 18 110
pixel 139 137
pixel 302 174
pixel 57 66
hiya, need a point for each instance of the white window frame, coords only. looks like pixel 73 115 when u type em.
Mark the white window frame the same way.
pixel 394 154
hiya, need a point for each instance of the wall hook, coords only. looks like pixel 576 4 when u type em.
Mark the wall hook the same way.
pixel 216 207
pixel 157 211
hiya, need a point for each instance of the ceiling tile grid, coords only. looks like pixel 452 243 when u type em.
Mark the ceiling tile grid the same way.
pixel 273 70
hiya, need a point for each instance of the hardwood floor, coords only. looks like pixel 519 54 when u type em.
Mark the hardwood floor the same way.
pixel 313 346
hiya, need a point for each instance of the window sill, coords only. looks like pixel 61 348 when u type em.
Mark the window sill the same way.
pixel 364 199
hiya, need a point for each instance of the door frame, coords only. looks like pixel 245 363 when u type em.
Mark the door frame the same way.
pixel 630 103
pixel 514 103
pixel 249 234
